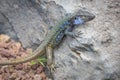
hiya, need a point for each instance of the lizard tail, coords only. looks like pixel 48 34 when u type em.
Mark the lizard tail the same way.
pixel 39 51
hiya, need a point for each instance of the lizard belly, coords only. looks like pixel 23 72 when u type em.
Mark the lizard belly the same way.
pixel 56 40
pixel 60 33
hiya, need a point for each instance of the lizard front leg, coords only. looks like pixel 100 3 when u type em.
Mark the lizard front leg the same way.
pixel 49 53
pixel 69 32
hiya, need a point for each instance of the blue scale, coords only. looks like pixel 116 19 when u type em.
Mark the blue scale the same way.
pixel 78 21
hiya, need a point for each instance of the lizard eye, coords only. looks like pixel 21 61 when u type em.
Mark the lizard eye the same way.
pixel 75 17
pixel 78 21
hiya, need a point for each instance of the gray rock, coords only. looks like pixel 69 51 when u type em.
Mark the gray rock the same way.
pixel 102 33
pixel 29 20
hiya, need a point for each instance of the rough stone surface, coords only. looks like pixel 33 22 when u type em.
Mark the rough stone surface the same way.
pixel 103 33
pixel 29 20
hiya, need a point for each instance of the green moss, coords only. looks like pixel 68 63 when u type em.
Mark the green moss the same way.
pixel 40 60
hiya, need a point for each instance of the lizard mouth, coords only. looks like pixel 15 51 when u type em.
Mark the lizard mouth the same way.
pixel 87 18
pixel 80 19
pixel 91 17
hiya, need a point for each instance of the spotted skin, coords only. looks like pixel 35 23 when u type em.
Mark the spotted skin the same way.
pixel 54 38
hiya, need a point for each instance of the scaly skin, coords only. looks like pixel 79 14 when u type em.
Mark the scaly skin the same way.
pixel 55 36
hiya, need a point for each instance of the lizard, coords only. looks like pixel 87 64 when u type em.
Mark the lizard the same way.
pixel 54 38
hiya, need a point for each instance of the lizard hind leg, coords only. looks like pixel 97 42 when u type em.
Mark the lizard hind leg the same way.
pixel 49 53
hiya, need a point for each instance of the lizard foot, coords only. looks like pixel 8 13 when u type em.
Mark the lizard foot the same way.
pixel 52 68
pixel 77 34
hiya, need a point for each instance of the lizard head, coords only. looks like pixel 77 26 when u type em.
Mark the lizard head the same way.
pixel 81 17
